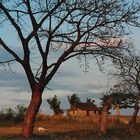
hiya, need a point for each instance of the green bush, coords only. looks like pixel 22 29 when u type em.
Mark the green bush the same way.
pixel 2 115
pixel 10 114
pixel 20 112
pixel 16 115
pixel 7 114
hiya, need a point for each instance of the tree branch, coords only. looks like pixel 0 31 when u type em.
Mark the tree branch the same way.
pixel 13 22
pixel 17 58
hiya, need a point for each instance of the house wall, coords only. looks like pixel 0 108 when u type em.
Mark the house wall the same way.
pixel 83 113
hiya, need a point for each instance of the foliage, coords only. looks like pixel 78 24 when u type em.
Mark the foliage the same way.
pixel 120 97
pixel 20 112
pixel 73 99
pixel 55 105
pixel 9 114
pixel 90 101
pixel 2 115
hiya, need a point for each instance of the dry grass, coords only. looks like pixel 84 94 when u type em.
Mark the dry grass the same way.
pixel 58 128
pixel 61 127
pixel 10 131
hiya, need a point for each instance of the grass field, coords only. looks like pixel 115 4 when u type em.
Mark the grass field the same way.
pixel 68 129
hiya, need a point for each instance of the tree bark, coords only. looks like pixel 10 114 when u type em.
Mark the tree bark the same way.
pixel 134 118
pixel 29 119
pixel 104 118
pixel 132 123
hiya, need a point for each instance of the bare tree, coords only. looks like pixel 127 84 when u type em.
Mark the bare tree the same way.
pixel 63 29
pixel 128 73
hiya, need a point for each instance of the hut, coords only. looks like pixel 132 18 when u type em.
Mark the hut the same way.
pixel 83 110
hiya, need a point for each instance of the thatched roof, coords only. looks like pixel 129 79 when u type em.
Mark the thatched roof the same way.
pixel 85 106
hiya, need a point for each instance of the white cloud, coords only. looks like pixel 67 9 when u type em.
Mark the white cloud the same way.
pixel 9 98
pixel 59 93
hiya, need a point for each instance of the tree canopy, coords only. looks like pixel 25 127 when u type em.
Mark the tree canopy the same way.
pixel 120 98
pixel 128 70
pixel 64 29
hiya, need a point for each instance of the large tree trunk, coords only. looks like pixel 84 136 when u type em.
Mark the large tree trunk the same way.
pixel 134 118
pixel 104 118
pixel 29 119
pixel 132 123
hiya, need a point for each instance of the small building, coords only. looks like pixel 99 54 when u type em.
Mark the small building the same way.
pixel 83 110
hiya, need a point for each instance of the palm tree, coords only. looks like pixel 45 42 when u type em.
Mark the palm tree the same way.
pixel 74 99
pixel 90 101
pixel 55 105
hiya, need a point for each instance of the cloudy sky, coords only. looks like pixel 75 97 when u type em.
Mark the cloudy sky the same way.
pixel 69 79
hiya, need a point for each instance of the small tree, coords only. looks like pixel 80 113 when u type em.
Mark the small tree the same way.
pixel 122 99
pixel 10 113
pixel 2 115
pixel 73 99
pixel 20 112
pixel 116 99
pixel 55 105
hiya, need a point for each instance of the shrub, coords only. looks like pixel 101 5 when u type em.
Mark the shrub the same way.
pixel 9 114
pixel 2 115
pixel 20 112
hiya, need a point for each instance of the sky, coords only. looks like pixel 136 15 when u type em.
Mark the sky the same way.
pixel 69 79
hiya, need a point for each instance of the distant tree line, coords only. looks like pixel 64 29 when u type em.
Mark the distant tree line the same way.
pixel 16 115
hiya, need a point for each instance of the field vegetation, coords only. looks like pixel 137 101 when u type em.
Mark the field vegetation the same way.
pixel 67 128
